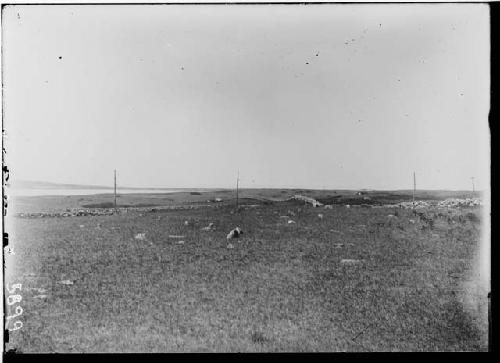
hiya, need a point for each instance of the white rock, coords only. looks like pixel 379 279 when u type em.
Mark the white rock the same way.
pixel 66 282
pixel 235 233
pixel 140 236
pixel 209 227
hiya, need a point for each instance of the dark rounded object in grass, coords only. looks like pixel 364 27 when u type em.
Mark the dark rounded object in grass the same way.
pixel 472 217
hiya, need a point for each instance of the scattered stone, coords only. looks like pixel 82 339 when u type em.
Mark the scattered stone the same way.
pixel 81 226
pixel 457 202
pixel 320 216
pixel 40 297
pixel 175 236
pixel 230 245
pixel 338 245
pixel 186 223
pixel 180 242
pixel 303 198
pixel 328 206
pixel 418 204
pixel 412 221
pixel 291 222
pixel 347 206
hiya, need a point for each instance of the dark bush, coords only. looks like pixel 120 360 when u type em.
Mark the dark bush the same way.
pixel 100 205
pixel 473 217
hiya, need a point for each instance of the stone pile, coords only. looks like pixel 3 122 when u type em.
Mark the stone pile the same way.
pixel 71 213
pixel 456 202
pixel 448 203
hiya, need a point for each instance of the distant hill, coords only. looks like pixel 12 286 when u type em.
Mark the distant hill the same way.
pixel 31 184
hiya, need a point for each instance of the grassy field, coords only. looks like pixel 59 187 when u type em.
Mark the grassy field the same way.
pixel 354 280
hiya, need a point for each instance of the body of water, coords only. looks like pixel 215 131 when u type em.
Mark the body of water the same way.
pixel 47 192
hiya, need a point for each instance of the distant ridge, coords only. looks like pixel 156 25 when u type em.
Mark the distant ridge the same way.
pixel 31 184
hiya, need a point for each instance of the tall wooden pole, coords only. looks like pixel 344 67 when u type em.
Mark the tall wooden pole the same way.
pixel 237 190
pixel 473 189
pixel 115 189
pixel 414 188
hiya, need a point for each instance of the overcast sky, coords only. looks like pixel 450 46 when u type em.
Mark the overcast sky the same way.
pixel 317 96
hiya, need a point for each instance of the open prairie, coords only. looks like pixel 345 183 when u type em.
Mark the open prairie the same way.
pixel 151 279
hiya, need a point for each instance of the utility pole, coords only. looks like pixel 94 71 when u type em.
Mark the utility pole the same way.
pixel 115 190
pixel 237 190
pixel 473 189
pixel 414 188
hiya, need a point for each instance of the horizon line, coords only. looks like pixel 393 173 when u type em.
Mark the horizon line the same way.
pixel 93 186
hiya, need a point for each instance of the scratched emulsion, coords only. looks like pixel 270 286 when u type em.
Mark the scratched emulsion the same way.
pixel 477 286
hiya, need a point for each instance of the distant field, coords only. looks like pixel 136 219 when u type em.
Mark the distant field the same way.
pixel 354 280
pixel 51 203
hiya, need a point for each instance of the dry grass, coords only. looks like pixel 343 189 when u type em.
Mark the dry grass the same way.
pixel 282 287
